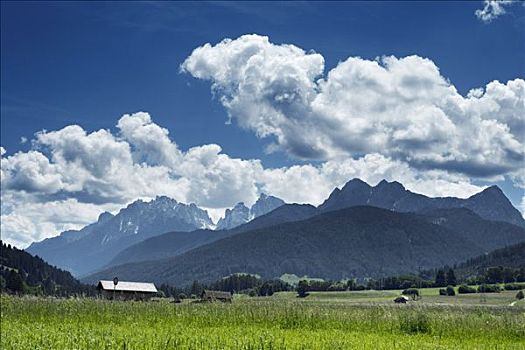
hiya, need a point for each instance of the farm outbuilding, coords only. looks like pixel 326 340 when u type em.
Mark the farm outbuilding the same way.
pixel 123 290
pixel 215 295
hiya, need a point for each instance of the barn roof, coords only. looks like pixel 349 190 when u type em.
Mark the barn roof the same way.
pixel 123 286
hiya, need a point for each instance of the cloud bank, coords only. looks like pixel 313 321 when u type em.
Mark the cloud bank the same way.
pixel 402 108
pixel 392 118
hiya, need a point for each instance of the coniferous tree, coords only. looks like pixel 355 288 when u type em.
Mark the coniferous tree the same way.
pixel 451 278
pixel 196 288
pixel 14 282
pixel 441 280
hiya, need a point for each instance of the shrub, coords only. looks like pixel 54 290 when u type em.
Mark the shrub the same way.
pixel 182 296
pixel 442 291
pixel 489 288
pixel 464 289
pixel 512 286
pixel 520 295
pixel 302 289
pixel 252 293
pixel 450 291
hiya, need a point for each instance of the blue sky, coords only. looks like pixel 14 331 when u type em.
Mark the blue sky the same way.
pixel 90 63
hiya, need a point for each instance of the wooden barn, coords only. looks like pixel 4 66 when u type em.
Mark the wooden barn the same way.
pixel 123 290
pixel 215 295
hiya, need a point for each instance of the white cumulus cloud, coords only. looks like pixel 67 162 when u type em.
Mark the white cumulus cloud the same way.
pixel 402 108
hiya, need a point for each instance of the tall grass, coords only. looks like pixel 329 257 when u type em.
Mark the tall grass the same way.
pixel 30 323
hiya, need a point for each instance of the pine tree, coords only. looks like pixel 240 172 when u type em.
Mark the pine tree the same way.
pixel 451 278
pixel 196 288
pixel 441 280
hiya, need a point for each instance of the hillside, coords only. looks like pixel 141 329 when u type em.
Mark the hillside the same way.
pixel 488 234
pixel 353 242
pixel 512 256
pixel 176 243
pixel 23 273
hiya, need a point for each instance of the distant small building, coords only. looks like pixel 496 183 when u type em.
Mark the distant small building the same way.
pixel 215 295
pixel 401 300
pixel 126 290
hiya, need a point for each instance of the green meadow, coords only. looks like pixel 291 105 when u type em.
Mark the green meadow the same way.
pixel 323 320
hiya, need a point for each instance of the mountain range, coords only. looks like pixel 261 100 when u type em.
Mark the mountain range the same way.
pixel 360 242
pixel 155 238
pixel 490 204
pixel 95 245
pixel 175 243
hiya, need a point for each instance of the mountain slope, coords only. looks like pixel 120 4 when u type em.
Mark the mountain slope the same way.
pixel 490 204
pixel 512 256
pixel 175 243
pixel 35 273
pixel 488 234
pixel 95 245
pixel 354 242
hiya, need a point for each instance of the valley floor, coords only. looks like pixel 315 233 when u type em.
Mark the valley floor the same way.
pixel 333 320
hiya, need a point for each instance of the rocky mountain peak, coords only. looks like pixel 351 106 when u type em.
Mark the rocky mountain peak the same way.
pixel 355 184
pixel 354 192
pixel 493 191
pixel 236 216
pixel 492 204
pixel 241 214
pixel 264 205
pixel 105 217
pixel 394 185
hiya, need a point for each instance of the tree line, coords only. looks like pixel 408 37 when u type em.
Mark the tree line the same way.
pixel 237 283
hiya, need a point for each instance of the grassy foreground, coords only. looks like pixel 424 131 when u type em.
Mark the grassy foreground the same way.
pixel 279 322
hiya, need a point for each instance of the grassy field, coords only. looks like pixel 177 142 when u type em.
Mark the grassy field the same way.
pixel 336 320
pixel 429 297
